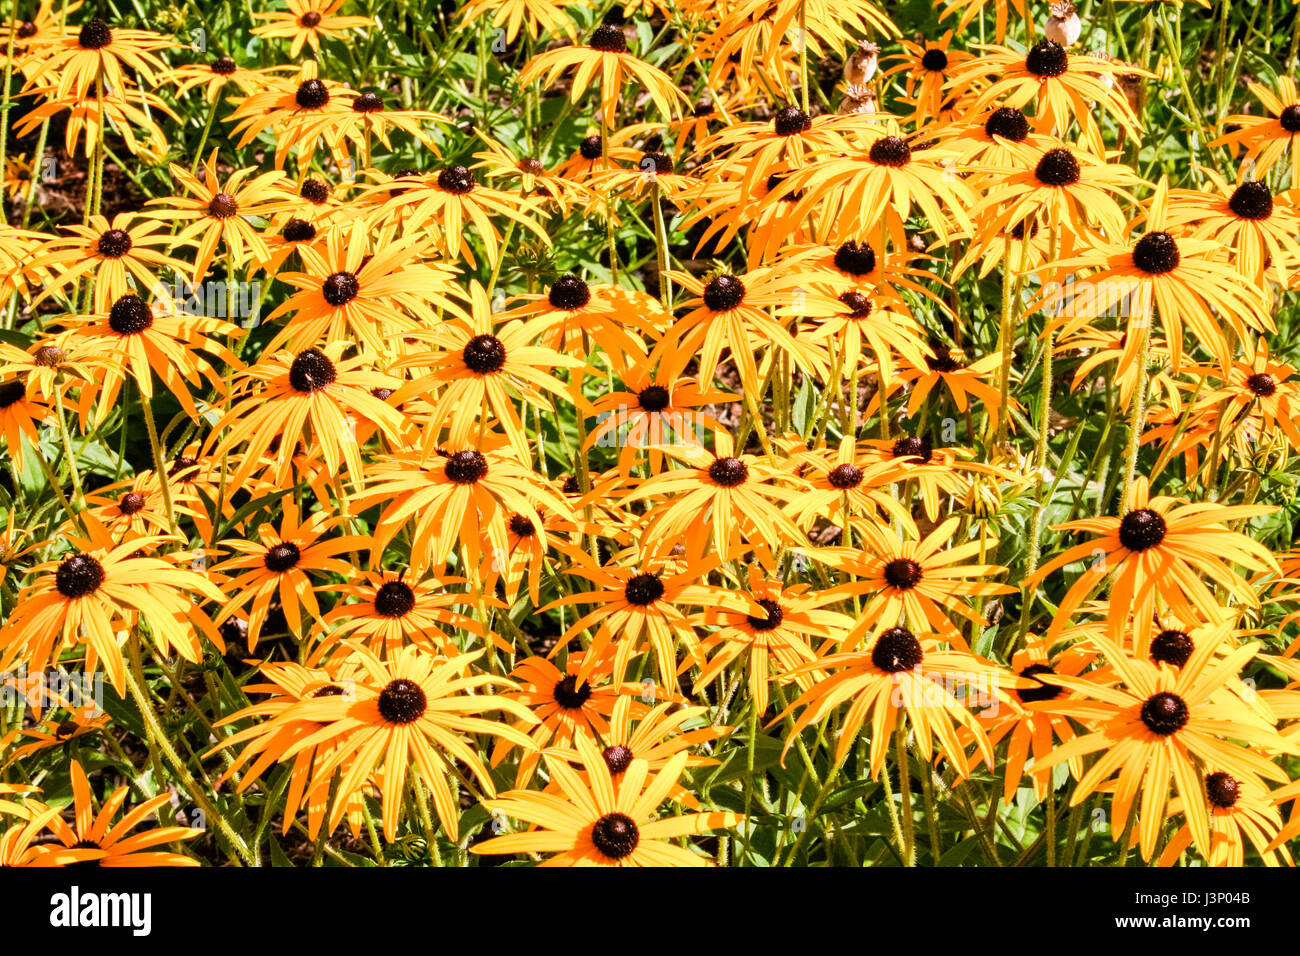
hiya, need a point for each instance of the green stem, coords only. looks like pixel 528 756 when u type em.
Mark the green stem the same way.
pixel 136 684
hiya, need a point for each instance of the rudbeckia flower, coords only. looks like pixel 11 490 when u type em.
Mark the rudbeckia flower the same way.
pixel 1030 732
pixel 1188 283
pixel 308 22
pixel 879 182
pixel 640 606
pixel 770 646
pixel 418 709
pixel 389 612
pixel 351 293
pixel 600 823
pixel 460 495
pixel 144 337
pixel 606 54
pixel 97 56
pixel 564 703
pixel 479 368
pixel 111 254
pixel 446 202
pixel 1159 549
pixel 913 581
pixel 1063 86
pixel 277 564
pixel 899 673
pixel 108 843
pixel 1258 226
pixel 312 394
pixel 656 407
pixel 536 16
pixel 1266 138
pixel 221 212
pixel 720 502
pixel 92 599
pixel 1242 813
pixel 1159 726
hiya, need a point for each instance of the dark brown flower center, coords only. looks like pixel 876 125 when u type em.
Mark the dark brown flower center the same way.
pixel 78 575
pixel 298 230
pixel 340 288
pixel 402 701
pixel 466 467
pixel 569 293
pixel 222 206
pixel 1047 59
pixel 729 471
pixel 26 30
pixel 311 371
pixel 934 60
pixel 1043 691
pixel 1058 167
pixel 522 527
pixel 1156 253
pixel 914 446
pixel 653 398
pixel 643 589
pixel 897 650
pixel 1252 200
pixel 661 163
pixel 569 695
pixel 590 148
pixel 1172 647
pixel 456 180
pixel 1009 123
pixel 855 258
pixel 310 19
pixel 314 191
pixel 95 35
pixel 615 835
pixel 11 393
pixel 48 356
pixel 617 758
pixel 608 38
pixel 282 557
pixel 773 619
pixel 845 476
pixel 1262 384
pixel 394 599
pixel 1222 789
pixel 859 304
pixel 312 95
pixel 724 293
pixel 1141 529
pixel 902 573
pixel 890 151
pixel 1018 230
pixel 531 166
pixel 484 354
pixel 129 315
pixel 1164 713
pixel 1290 119
pixel 775 180
pixel 791 121
pixel 131 503
pixel 368 102
pixel 224 66
pixel 942 359
pixel 114 244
